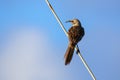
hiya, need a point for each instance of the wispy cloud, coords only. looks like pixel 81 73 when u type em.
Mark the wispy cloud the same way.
pixel 25 58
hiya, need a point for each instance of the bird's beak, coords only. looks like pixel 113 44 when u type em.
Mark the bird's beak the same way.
pixel 69 21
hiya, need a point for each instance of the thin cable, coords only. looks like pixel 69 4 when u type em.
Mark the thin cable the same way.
pixel 59 21
pixel 76 48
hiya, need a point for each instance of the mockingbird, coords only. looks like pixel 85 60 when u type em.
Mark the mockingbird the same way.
pixel 75 34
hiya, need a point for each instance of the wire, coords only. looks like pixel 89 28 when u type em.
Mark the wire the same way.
pixel 76 48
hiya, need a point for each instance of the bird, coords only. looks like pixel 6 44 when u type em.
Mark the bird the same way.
pixel 75 34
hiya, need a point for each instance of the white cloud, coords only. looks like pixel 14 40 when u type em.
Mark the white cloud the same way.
pixel 25 58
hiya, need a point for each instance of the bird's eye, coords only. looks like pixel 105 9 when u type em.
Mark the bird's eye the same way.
pixel 74 22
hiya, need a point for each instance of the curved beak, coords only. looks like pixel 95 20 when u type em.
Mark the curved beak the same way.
pixel 69 21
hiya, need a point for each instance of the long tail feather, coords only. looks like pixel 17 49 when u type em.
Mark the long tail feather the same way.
pixel 69 53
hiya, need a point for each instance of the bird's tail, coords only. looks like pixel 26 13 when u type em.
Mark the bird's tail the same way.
pixel 69 53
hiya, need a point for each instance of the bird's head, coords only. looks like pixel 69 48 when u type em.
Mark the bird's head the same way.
pixel 75 22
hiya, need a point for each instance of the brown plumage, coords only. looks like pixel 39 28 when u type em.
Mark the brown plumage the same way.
pixel 75 34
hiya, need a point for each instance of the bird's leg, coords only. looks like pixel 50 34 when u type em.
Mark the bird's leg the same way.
pixel 77 51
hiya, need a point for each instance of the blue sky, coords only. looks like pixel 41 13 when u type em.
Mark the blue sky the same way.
pixel 32 44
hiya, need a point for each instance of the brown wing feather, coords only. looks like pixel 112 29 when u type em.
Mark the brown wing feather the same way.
pixel 75 34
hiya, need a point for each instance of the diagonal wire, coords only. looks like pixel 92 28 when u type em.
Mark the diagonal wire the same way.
pixel 76 48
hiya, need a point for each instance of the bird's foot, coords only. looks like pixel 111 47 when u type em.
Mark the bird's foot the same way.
pixel 77 51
